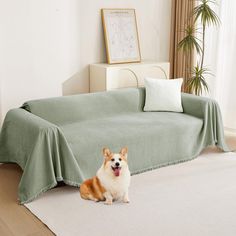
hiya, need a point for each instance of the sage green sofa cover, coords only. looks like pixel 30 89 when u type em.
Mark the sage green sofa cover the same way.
pixel 61 139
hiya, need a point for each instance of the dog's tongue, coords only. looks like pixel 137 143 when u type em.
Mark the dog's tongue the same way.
pixel 117 171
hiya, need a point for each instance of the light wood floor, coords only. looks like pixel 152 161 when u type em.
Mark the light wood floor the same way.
pixel 15 219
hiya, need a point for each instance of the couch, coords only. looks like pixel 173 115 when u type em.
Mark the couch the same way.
pixel 61 139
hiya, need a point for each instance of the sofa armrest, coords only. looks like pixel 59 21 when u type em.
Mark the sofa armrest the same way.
pixel 209 111
pixel 20 132
pixel 26 120
pixel 195 105
pixel 41 150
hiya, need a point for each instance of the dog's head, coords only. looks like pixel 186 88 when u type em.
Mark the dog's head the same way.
pixel 115 162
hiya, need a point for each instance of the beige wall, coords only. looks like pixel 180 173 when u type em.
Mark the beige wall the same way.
pixel 47 45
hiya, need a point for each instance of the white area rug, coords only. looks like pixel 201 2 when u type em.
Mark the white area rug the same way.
pixel 192 198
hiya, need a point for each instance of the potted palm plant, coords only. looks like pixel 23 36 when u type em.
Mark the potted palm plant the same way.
pixel 196 77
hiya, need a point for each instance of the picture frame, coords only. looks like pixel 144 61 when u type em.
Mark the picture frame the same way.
pixel 121 35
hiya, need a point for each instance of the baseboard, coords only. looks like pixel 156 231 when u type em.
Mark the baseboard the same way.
pixel 230 130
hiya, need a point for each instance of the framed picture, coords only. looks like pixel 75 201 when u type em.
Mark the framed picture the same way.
pixel 121 35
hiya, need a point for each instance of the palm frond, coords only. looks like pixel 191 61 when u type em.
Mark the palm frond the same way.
pixel 190 41
pixel 197 83
pixel 206 15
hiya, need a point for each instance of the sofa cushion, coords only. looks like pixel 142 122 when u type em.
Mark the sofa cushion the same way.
pixel 147 136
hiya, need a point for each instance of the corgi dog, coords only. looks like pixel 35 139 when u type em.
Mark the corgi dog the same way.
pixel 111 181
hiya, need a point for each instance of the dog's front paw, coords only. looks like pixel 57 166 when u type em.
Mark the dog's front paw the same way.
pixel 108 202
pixel 126 200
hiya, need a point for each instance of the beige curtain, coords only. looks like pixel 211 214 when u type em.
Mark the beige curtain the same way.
pixel 180 63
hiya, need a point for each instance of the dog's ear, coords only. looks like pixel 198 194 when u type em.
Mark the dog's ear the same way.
pixel 124 152
pixel 106 152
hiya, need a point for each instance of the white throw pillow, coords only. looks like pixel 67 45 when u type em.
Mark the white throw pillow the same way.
pixel 163 95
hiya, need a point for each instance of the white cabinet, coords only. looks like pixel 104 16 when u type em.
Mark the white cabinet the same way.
pixel 105 77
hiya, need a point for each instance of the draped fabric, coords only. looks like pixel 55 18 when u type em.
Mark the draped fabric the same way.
pixel 60 139
pixel 179 62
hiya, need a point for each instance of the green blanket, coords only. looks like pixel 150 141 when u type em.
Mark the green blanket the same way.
pixel 61 139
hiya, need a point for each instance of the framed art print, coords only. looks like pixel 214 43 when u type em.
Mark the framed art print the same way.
pixel 121 35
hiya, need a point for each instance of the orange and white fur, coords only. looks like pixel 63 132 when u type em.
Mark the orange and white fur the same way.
pixel 112 180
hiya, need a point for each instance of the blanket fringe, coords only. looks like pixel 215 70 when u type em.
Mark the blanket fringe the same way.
pixel 76 184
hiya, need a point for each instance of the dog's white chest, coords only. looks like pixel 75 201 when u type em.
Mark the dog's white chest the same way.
pixel 116 186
